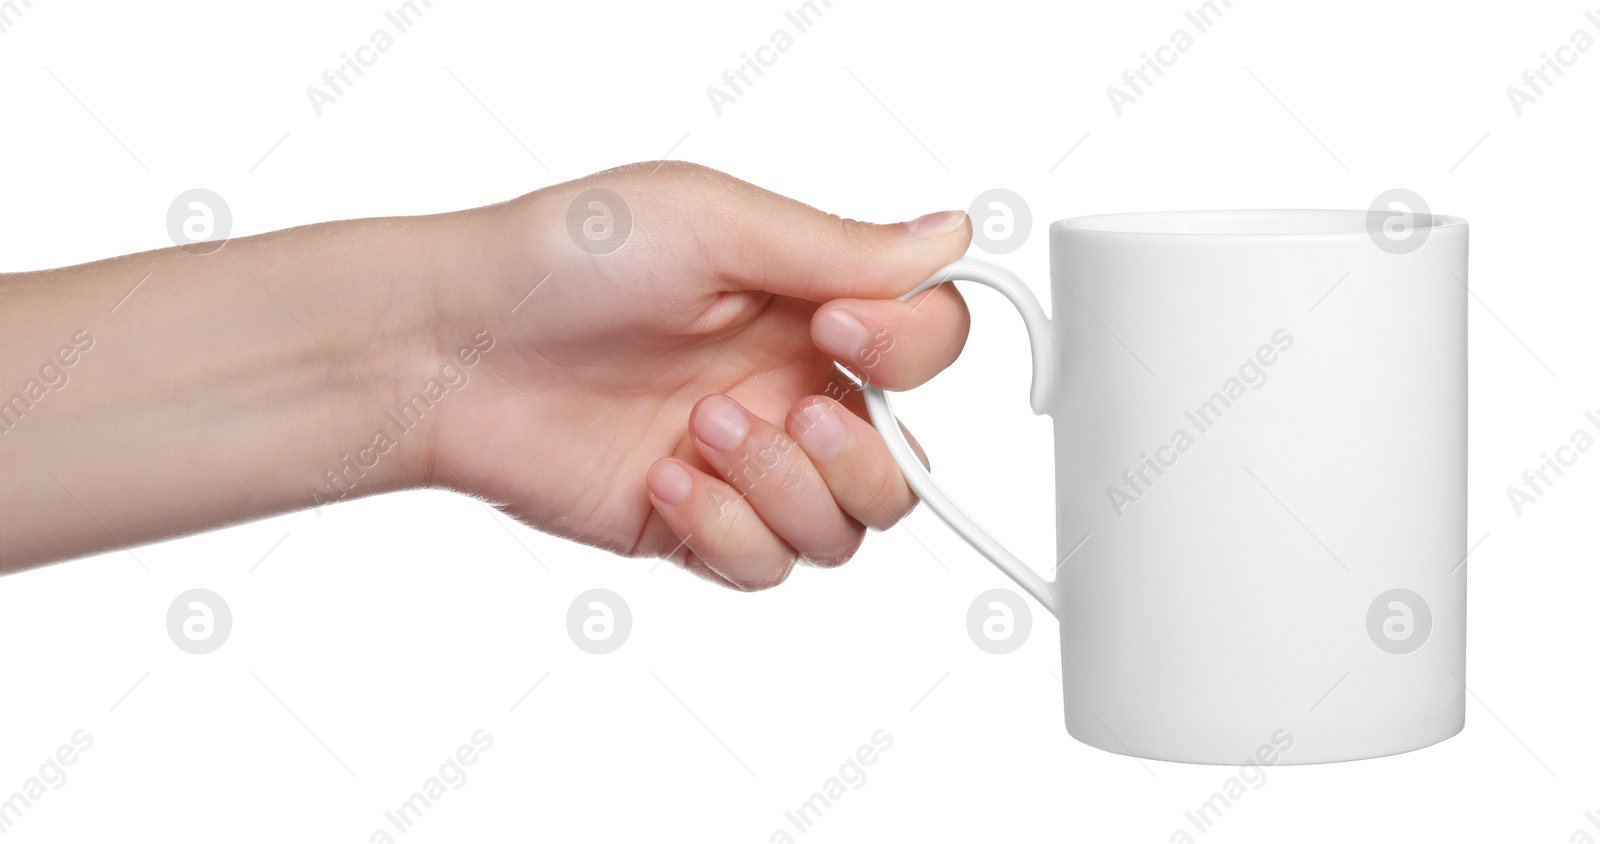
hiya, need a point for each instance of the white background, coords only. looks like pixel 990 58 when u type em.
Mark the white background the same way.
pixel 369 642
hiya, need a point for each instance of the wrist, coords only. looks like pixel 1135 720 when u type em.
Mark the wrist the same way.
pixel 443 267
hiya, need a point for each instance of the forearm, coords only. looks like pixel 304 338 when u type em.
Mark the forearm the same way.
pixel 162 393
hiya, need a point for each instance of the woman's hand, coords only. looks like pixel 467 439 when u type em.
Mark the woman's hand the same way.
pixel 663 379
pixel 642 360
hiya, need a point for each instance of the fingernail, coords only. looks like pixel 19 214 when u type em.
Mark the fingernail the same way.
pixel 840 334
pixel 669 481
pixel 820 431
pixel 720 423
pixel 937 223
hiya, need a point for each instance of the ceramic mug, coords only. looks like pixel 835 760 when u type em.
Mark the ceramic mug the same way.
pixel 1260 470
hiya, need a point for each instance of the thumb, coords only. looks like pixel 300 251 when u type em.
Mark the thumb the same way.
pixel 759 240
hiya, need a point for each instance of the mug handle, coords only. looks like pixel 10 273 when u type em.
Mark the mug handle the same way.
pixel 1038 325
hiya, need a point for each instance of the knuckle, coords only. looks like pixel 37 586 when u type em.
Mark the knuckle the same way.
pixel 890 499
pixel 666 170
pixel 838 555
pixel 769 462
pixel 727 515
pixel 855 247
pixel 854 234
pixel 773 575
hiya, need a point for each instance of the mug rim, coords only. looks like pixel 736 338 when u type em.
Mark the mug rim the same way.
pixel 1248 223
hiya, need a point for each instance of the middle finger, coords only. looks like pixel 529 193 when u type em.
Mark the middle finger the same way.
pixel 777 477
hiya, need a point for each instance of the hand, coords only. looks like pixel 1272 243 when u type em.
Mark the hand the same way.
pixel 674 396
pixel 678 396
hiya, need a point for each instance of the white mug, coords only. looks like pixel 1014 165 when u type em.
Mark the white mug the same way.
pixel 1260 463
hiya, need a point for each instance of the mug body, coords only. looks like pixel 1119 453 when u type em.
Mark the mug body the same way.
pixel 1260 437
